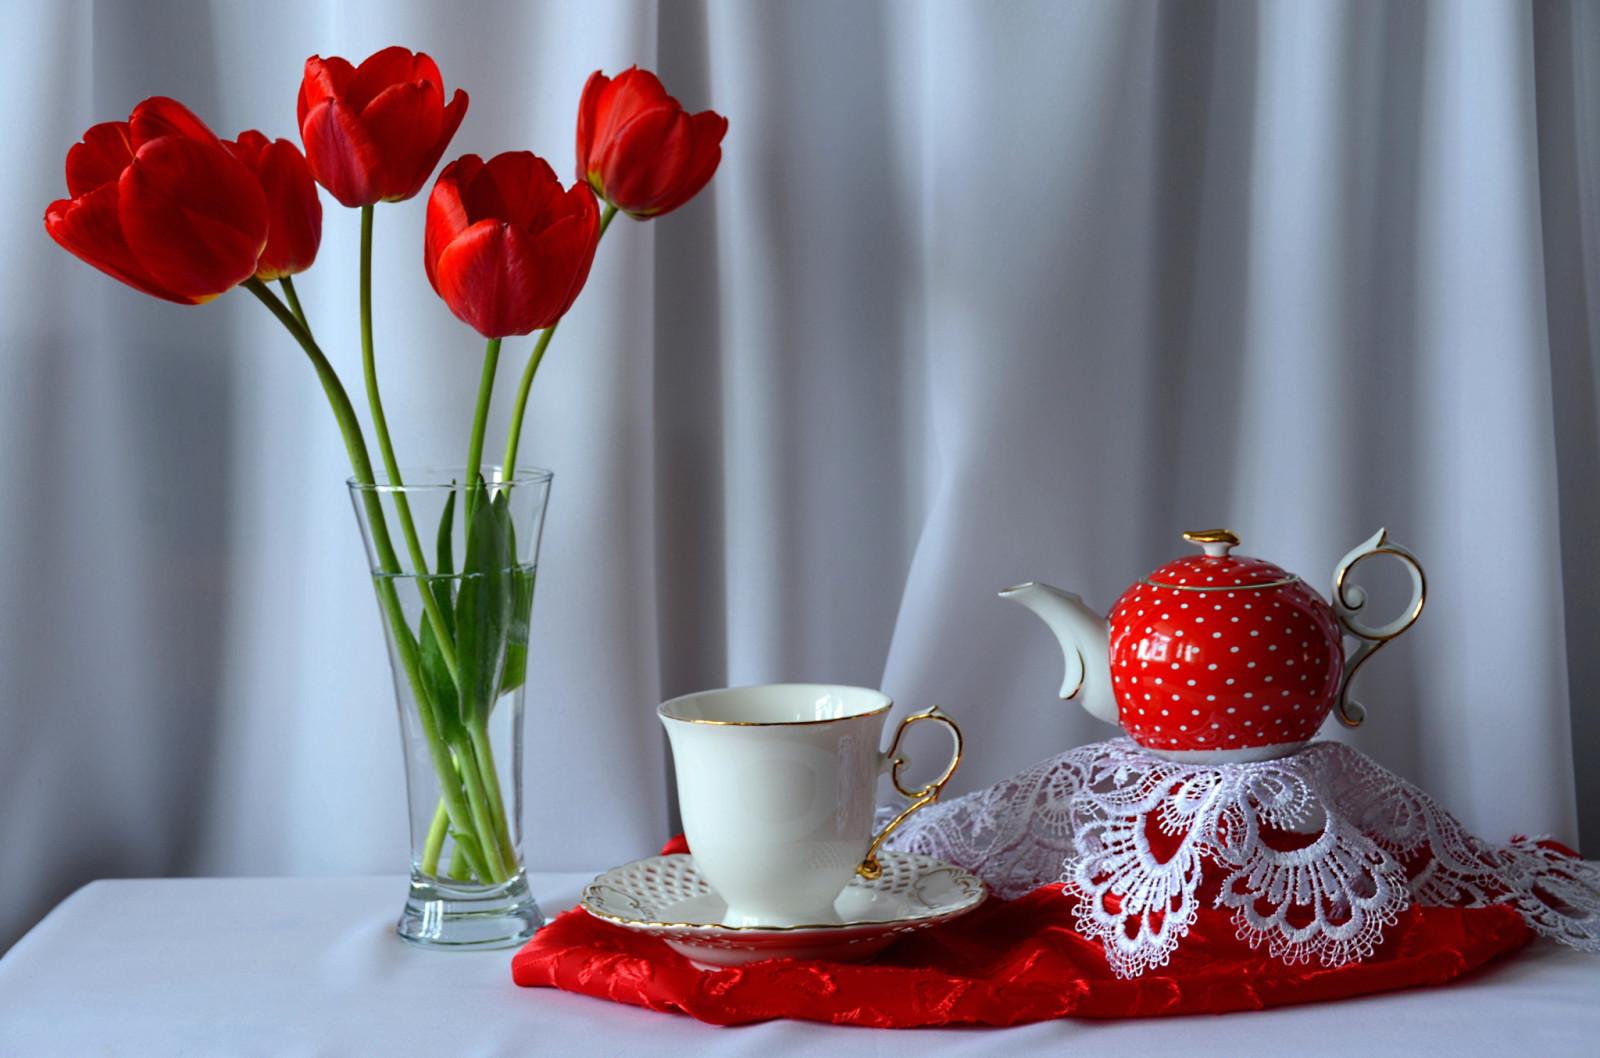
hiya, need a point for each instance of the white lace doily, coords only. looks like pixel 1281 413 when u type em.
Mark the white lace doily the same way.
pixel 1316 853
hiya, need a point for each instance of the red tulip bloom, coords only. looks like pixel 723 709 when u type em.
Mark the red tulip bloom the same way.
pixel 639 149
pixel 373 133
pixel 294 213
pixel 506 246
pixel 159 203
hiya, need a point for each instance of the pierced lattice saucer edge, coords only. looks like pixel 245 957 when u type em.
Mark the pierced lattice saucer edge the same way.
pixel 970 893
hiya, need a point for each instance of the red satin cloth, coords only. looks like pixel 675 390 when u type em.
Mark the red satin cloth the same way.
pixel 1007 963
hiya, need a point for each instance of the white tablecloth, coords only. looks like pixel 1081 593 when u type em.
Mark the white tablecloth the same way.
pixel 291 966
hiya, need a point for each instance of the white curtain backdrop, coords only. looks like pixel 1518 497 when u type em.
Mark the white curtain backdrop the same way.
pixel 982 293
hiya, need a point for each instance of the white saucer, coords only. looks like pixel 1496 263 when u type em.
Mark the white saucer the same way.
pixel 664 896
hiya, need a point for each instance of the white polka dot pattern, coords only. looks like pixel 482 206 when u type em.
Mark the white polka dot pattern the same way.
pixel 1214 665
pixel 1204 572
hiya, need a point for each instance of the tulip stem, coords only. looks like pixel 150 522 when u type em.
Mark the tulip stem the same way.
pixel 434 844
pixel 294 302
pixel 605 222
pixel 380 426
pixel 354 443
pixel 480 419
pixel 457 804
pixel 514 435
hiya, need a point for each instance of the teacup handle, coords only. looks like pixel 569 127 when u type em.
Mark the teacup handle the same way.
pixel 870 868
pixel 1348 601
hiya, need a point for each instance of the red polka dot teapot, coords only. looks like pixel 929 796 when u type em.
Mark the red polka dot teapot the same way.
pixel 1219 657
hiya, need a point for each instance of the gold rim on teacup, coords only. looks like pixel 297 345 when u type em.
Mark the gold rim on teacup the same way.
pixel 665 708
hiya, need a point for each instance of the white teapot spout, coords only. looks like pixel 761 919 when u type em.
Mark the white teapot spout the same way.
pixel 1085 639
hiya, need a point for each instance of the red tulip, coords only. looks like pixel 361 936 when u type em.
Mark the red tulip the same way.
pixel 506 246
pixel 374 133
pixel 159 203
pixel 639 149
pixel 294 213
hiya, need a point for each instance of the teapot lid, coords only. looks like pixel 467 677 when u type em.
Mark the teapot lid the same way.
pixel 1217 570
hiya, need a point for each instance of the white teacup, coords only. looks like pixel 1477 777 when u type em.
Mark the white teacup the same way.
pixel 777 785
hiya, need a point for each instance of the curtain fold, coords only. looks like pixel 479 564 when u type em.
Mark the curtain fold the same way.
pixel 980 294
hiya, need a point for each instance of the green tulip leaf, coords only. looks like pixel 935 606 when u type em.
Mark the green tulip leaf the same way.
pixel 484 605
pixel 440 687
pixel 446 563
pixel 516 668
pixel 444 567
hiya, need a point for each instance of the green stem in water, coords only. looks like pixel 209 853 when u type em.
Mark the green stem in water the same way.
pixel 484 751
pixel 514 435
pixel 435 843
pixel 380 426
pixel 467 849
pixel 483 822
pixel 458 862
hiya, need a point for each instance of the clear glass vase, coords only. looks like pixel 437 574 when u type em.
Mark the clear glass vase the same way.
pixel 453 567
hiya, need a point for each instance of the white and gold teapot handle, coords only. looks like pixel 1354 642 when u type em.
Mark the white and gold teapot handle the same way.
pixel 1348 602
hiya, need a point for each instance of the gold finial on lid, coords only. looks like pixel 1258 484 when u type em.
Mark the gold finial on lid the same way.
pixel 1217 542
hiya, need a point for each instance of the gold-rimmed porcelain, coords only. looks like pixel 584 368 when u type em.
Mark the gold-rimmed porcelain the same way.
pixel 777 787
pixel 667 897
pixel 1221 658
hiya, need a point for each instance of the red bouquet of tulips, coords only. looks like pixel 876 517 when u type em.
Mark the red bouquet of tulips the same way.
pixel 161 203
